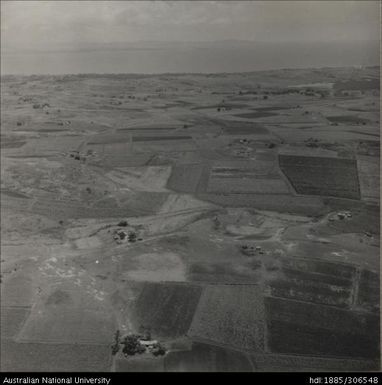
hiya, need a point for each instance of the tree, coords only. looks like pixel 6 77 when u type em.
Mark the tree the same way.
pixel 115 346
pixel 216 223
pixel 132 236
pixel 158 350
pixel 131 345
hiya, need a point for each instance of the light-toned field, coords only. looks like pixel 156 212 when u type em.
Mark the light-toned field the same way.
pixel 231 316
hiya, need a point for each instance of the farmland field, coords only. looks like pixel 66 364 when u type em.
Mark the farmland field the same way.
pixel 256 168
pixel 322 176
pixel 368 291
pixel 255 115
pixel 369 177
pixel 185 177
pixel 207 358
pixel 365 218
pixel 315 281
pixel 167 309
pixel 353 120
pixel 33 357
pixel 270 201
pixel 246 184
pixel 314 328
pixel 231 315
pixel 244 128
pixel 12 320
pixel 139 364
pixel 17 291
pixel 161 138
pixel 284 362
pixel 67 317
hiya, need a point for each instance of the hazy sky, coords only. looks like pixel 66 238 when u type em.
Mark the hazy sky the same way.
pixel 52 24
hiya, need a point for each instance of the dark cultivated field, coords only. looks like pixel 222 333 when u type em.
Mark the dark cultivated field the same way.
pixel 246 183
pixel 51 130
pixel 348 119
pixel 363 133
pixel 207 358
pixel 147 128
pixel 11 143
pixel 111 159
pixel 284 362
pixel 160 138
pixel 167 309
pixel 322 176
pixel 139 364
pixel 278 202
pixel 125 137
pixel 357 84
pixel 185 178
pixel 220 273
pixel 13 194
pixel 272 108
pixel 255 115
pixel 244 128
pixel 369 291
pixel 222 105
pixel 308 329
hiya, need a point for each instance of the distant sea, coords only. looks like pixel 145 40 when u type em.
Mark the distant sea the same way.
pixel 182 58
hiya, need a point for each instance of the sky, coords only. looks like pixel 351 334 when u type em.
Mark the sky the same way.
pixel 52 25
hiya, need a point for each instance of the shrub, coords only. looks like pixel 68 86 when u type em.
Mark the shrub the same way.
pixel 158 350
pixel 115 346
pixel 132 236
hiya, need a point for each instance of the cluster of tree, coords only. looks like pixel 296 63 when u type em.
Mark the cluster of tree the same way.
pixel 132 236
pixel 38 105
pixel 131 344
